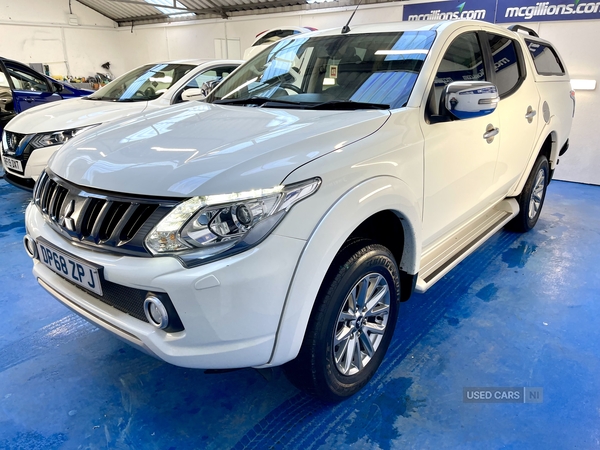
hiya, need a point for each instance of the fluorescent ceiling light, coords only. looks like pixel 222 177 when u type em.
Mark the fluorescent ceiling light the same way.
pixel 328 82
pixel 320 1
pixel 583 85
pixel 170 11
pixel 402 52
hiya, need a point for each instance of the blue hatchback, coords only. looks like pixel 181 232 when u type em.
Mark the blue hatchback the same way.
pixel 22 88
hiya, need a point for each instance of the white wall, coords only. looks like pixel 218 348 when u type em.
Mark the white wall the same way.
pixel 196 39
pixel 38 31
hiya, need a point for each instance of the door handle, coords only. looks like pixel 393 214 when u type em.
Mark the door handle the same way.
pixel 530 114
pixel 490 133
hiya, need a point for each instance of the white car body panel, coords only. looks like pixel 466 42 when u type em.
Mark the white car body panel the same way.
pixel 72 113
pixel 436 178
pixel 164 147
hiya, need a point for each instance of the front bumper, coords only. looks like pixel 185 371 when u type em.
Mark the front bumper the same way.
pixel 230 309
pixel 33 166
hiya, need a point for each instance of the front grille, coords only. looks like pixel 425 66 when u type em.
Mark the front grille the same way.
pixel 97 219
pixel 15 142
pixel 18 147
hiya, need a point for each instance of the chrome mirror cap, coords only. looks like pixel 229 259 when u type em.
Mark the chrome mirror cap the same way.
pixel 469 99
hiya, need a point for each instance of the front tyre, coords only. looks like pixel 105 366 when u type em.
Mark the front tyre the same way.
pixel 532 198
pixel 351 325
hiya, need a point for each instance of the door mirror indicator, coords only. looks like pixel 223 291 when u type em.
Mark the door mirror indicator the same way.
pixel 469 99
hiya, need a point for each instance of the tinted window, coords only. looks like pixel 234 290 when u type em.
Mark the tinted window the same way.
pixel 25 80
pixel 463 61
pixel 545 59
pixel 506 62
pixel 274 36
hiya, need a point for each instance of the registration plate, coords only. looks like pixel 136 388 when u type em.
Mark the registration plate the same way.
pixel 13 164
pixel 73 269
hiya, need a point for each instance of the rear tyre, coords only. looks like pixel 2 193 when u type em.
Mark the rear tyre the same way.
pixel 351 325
pixel 532 198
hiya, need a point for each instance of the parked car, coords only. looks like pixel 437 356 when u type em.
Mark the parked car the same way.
pixel 268 37
pixel 34 136
pixel 22 88
pixel 283 222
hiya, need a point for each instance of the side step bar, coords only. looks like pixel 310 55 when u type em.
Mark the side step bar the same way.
pixel 438 261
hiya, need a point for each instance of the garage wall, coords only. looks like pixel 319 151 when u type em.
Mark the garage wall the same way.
pixel 196 39
pixel 38 31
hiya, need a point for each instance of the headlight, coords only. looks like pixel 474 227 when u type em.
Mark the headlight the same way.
pixel 203 227
pixel 56 137
pixel 4 140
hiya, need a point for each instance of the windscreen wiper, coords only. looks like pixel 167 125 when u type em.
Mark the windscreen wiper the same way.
pixel 336 105
pixel 252 101
pixel 346 105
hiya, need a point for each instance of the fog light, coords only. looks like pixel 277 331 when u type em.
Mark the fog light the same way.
pixel 156 313
pixel 30 246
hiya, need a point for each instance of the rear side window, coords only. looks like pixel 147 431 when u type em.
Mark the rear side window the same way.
pixel 506 63
pixel 545 58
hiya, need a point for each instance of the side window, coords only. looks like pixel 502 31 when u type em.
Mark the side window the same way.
pixel 25 80
pixel 5 95
pixel 3 80
pixel 545 58
pixel 209 75
pixel 463 61
pixel 506 63
pixel 198 80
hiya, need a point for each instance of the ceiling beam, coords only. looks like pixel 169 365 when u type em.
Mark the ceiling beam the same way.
pixel 217 10
pixel 156 5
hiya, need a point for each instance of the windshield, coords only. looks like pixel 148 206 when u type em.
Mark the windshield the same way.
pixel 356 71
pixel 142 84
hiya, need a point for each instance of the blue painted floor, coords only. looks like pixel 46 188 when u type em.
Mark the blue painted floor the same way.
pixel 522 311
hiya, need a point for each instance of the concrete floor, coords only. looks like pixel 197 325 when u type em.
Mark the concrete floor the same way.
pixel 521 311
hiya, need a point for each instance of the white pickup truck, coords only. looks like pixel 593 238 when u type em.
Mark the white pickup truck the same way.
pixel 283 221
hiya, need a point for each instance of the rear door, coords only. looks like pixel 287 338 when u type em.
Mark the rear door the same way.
pixel 29 88
pixel 518 110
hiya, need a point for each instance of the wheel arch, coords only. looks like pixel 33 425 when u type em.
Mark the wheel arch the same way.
pixel 380 201
pixel 548 145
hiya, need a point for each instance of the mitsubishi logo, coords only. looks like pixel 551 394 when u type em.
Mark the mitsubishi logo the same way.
pixel 66 220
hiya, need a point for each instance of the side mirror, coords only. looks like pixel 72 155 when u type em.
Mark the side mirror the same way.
pixel 192 94
pixel 469 99
pixel 57 87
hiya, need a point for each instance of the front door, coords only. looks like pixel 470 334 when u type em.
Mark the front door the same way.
pixel 459 161
pixel 29 88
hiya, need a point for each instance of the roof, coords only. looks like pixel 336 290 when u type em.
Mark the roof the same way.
pixel 128 12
